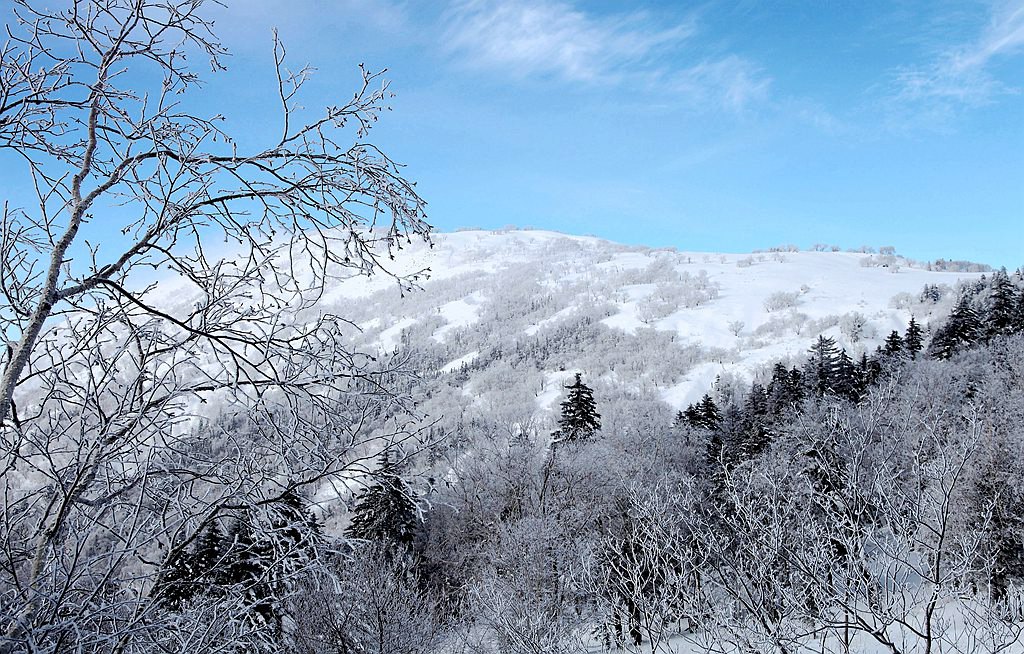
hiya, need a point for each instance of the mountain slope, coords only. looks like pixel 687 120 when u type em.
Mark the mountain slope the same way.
pixel 506 317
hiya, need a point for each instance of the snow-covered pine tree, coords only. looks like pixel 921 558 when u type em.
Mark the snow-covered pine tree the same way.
pixel 709 413
pixel 689 416
pixel 755 422
pixel 1001 314
pixel 385 511
pixel 914 338
pixel 249 560
pixel 849 382
pixel 732 430
pixel 931 293
pixel 1018 322
pixel 894 343
pixel 294 531
pixel 870 368
pixel 257 557
pixel 579 420
pixel 784 390
pixel 191 571
pixel 820 369
pixel 703 414
pixel 962 329
pixel 995 508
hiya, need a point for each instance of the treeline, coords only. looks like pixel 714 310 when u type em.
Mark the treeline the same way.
pixel 987 309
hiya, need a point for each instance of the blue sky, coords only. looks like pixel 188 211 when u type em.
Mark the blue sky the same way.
pixel 719 126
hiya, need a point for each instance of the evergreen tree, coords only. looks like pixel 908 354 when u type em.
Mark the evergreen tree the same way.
pixel 710 416
pixel 254 559
pixel 733 431
pixel 295 532
pixel 756 436
pixel 996 508
pixel 703 414
pixel 797 384
pixel 962 329
pixel 931 293
pixel 893 344
pixel 1001 316
pixel 384 511
pixel 579 420
pixel 820 369
pixel 849 383
pixel 870 368
pixel 192 571
pixel 784 391
pixel 249 560
pixel 715 452
pixel 1018 323
pixel 828 474
pixel 914 339
pixel 691 416
pixel 683 417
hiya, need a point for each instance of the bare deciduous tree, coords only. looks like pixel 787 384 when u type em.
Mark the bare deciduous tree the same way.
pixel 106 472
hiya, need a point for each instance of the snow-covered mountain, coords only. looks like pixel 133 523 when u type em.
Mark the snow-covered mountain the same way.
pixel 506 317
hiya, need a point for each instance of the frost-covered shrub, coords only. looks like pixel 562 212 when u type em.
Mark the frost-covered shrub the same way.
pixel 699 288
pixel 817 325
pixel 799 323
pixel 745 262
pixel 902 301
pixel 794 322
pixel 661 269
pixel 855 326
pixel 780 300
pixel 730 388
pixel 879 260
pixel 687 291
pixel 772 328
pixel 372 597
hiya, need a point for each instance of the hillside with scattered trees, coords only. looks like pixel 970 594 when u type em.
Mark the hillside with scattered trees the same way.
pixel 250 402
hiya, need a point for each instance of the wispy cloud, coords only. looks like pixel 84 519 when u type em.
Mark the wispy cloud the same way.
pixel 960 77
pixel 731 82
pixel 550 38
pixel 1004 36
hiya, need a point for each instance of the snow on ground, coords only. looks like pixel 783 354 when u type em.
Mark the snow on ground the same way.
pixel 740 329
pixel 458 314
pixel 693 386
pixel 388 339
pixel 455 364
pixel 553 318
pixel 554 389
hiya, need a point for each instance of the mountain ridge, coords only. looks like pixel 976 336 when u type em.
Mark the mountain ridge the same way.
pixel 678 320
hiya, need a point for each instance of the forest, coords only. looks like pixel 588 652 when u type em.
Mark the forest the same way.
pixel 206 445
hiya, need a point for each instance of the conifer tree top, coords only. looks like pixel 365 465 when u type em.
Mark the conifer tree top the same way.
pixel 579 417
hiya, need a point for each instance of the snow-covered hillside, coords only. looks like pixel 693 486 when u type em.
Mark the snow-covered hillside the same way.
pixel 517 312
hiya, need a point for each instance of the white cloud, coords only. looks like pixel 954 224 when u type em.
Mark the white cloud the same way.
pixel 1004 36
pixel 731 82
pixel 529 38
pixel 960 76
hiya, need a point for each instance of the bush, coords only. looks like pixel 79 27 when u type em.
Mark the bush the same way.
pixel 781 300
